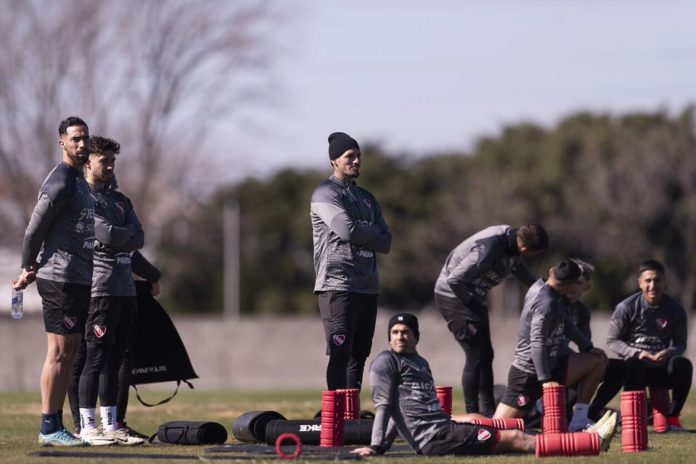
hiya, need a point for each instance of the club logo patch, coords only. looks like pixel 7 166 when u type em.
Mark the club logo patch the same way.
pixel 662 323
pixel 339 339
pixel 522 400
pixel 99 331
pixel 69 322
pixel 483 435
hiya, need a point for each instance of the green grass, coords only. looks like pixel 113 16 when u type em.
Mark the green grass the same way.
pixel 19 422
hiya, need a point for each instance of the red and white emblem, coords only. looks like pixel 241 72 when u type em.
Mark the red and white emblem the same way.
pixel 522 400
pixel 339 339
pixel 99 331
pixel 483 435
pixel 662 323
pixel 69 322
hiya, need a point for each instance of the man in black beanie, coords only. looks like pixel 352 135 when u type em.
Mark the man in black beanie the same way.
pixel 406 404
pixel 348 230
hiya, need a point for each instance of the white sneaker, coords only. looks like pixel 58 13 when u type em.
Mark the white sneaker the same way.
pixel 96 437
pixel 121 437
pixel 598 424
pixel 606 431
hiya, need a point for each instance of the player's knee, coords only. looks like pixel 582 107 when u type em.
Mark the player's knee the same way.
pixel 514 440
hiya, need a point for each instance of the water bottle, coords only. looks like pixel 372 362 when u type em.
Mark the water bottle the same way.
pixel 17 304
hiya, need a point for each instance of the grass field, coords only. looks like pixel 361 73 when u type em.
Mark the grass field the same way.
pixel 19 422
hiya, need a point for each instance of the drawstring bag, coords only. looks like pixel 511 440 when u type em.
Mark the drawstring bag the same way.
pixel 191 433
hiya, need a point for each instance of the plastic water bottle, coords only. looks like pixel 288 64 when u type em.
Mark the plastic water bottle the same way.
pixel 17 304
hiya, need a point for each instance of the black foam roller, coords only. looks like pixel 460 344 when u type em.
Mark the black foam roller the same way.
pixel 251 426
pixel 355 432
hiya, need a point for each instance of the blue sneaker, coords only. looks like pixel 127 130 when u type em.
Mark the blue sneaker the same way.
pixel 61 438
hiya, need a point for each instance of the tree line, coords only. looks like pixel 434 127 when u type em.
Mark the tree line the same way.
pixel 614 190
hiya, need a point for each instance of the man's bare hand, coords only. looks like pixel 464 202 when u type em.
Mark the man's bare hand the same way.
pixel 365 451
pixel 25 278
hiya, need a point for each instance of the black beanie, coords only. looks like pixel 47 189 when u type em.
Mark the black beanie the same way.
pixel 407 319
pixel 339 142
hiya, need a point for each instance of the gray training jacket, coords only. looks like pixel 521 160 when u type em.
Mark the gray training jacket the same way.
pixel 636 326
pixel 348 229
pixel 544 330
pixel 61 228
pixel 403 391
pixel 118 232
pixel 480 263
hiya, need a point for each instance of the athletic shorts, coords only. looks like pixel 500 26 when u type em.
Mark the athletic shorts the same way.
pixel 65 306
pixel 523 390
pixel 349 321
pixel 462 439
pixel 469 324
pixel 110 317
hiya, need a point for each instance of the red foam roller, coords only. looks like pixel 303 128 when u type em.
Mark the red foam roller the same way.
pixel 444 396
pixel 634 421
pixel 567 444
pixel 659 397
pixel 500 424
pixel 554 399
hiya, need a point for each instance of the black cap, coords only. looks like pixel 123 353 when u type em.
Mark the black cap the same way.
pixel 339 142
pixel 407 319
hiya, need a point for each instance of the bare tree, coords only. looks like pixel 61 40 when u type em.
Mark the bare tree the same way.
pixel 156 75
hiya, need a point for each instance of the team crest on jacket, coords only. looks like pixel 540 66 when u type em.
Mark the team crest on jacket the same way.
pixel 339 339
pixel 69 322
pixel 522 400
pixel 99 331
pixel 483 435
pixel 662 323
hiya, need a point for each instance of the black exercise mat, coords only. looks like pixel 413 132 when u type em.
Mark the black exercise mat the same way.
pixel 227 457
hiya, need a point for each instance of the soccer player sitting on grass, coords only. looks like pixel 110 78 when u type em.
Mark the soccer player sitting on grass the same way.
pixel 403 391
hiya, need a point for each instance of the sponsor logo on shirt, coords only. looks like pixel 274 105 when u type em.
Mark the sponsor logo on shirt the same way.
pixel 522 400
pixel 483 435
pixel 99 331
pixel 69 322
pixel 662 323
pixel 339 339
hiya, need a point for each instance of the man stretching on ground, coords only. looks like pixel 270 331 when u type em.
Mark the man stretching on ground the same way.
pixel 403 391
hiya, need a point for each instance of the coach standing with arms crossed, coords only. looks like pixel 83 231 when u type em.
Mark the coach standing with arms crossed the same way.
pixel 62 229
pixel 348 230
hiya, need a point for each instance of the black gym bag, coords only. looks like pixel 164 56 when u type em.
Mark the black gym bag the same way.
pixel 159 355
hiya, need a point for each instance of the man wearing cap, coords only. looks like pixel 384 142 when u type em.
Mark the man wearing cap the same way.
pixel 348 230
pixel 648 332
pixel 540 360
pixel 406 403
pixel 475 266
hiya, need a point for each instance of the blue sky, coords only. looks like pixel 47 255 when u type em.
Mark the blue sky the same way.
pixel 431 76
